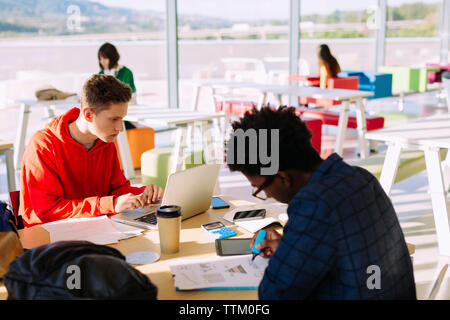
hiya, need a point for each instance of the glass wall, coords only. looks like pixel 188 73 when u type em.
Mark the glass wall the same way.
pixel 412 32
pixel 347 27
pixel 234 39
pixel 47 44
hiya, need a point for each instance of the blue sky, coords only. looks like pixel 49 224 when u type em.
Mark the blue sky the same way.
pixel 248 9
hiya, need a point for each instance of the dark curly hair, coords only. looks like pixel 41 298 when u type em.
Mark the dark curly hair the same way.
pixel 295 148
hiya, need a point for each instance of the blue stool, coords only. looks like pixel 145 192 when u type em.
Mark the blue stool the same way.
pixel 379 83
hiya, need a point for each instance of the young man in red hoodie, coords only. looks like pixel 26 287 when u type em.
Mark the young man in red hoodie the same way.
pixel 71 169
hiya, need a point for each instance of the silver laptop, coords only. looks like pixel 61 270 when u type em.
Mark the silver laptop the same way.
pixel 191 189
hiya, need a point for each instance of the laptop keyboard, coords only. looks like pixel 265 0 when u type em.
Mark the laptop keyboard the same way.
pixel 148 218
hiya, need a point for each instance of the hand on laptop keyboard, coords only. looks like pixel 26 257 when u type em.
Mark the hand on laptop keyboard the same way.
pixel 127 202
pixel 152 194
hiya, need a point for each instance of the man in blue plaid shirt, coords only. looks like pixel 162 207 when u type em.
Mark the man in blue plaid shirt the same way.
pixel 343 239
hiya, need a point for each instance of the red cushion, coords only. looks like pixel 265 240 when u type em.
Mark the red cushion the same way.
pixel 332 118
pixel 238 107
pixel 315 125
pixel 349 83
pixel 311 81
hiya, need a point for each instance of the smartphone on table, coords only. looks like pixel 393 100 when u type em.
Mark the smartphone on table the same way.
pixel 229 247
pixel 249 215
pixel 218 203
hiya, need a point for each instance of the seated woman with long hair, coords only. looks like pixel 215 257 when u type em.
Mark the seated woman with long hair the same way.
pixel 328 65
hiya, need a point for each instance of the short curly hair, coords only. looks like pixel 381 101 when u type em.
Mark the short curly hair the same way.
pixel 100 90
pixel 295 148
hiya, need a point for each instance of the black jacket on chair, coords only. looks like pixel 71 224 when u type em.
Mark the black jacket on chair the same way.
pixel 75 270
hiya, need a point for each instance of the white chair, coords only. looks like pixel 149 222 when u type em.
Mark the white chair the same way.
pixel 437 283
pixel 244 69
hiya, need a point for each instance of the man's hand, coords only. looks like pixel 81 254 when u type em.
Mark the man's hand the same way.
pixel 127 201
pixel 151 194
pixel 269 244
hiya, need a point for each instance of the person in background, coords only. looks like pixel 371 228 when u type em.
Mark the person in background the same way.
pixel 342 239
pixel 108 59
pixel 328 65
pixel 71 169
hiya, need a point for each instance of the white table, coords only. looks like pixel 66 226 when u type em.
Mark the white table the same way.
pixel 185 121
pixel 430 135
pixel 346 96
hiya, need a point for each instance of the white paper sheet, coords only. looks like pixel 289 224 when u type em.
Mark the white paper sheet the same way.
pixel 99 230
pixel 236 272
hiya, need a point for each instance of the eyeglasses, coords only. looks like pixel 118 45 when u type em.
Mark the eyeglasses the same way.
pixel 260 190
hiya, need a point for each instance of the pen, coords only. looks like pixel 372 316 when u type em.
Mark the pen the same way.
pixel 260 237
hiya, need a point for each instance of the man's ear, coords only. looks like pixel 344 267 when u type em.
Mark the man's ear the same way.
pixel 88 114
pixel 285 178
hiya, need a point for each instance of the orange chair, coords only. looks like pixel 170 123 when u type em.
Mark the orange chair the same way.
pixel 139 141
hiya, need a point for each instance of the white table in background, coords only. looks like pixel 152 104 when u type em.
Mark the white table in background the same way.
pixel 430 135
pixel 343 95
pixel 185 121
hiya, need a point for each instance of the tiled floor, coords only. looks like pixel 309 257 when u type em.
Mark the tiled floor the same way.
pixel 410 197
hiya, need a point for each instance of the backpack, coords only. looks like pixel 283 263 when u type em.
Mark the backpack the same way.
pixel 75 270
pixel 7 219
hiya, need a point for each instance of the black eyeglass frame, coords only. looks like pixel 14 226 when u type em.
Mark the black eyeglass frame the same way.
pixel 266 183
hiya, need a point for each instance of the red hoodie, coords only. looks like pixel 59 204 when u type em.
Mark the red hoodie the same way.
pixel 62 179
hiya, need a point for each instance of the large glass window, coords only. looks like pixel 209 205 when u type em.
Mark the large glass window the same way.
pixel 235 39
pixel 347 27
pixel 47 44
pixel 412 32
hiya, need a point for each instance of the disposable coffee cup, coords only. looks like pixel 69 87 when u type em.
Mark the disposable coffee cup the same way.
pixel 169 226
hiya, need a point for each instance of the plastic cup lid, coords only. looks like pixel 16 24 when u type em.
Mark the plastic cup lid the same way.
pixel 168 211
pixel 142 257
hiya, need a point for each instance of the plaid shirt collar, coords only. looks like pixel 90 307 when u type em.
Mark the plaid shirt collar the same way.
pixel 324 168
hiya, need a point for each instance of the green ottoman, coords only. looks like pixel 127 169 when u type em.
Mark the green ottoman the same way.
pixel 411 162
pixel 393 118
pixel 156 163
pixel 403 78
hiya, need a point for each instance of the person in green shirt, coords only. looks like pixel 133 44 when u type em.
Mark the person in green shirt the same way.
pixel 108 59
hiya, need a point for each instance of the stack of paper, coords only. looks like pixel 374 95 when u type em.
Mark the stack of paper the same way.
pixel 220 273
pixel 99 230
pixel 275 213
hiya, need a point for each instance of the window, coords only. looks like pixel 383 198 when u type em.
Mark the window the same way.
pixel 48 44
pixel 412 32
pixel 233 39
pixel 347 27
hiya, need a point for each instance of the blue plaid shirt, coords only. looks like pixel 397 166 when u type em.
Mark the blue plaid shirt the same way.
pixel 340 225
